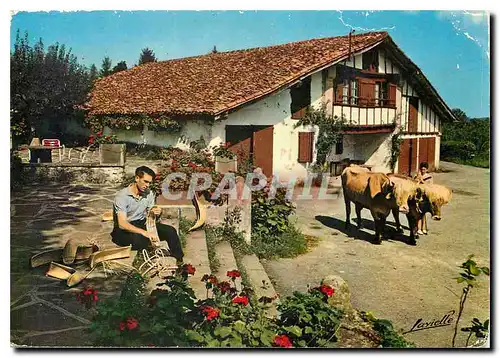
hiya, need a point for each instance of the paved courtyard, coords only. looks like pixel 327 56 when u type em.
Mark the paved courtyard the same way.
pixel 395 280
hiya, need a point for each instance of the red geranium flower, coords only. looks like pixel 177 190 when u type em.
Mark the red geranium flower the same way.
pixel 132 323
pixel 210 312
pixel 241 299
pixel 282 341
pixel 99 133
pixel 189 269
pixel 224 286
pixel 122 326
pixel 209 278
pixel 91 140
pixel 327 290
pixel 233 274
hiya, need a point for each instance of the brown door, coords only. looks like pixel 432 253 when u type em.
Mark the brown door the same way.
pixel 254 142
pixel 431 153
pixel 408 157
pixel 413 115
pixel 263 150
pixel 422 150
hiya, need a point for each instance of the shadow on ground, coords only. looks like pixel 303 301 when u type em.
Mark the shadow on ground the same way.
pixel 352 231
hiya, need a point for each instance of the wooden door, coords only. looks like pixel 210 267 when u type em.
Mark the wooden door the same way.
pixel 408 157
pixel 427 151
pixel 263 150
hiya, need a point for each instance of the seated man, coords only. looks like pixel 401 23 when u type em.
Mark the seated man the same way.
pixel 130 210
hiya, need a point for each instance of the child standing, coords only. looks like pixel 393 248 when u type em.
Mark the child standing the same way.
pixel 423 177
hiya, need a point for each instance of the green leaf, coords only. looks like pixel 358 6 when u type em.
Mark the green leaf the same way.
pixel 195 336
pixel 486 324
pixel 475 271
pixel 240 326
pixel 295 330
pixel 460 279
pixel 486 270
pixel 223 332
pixel 308 330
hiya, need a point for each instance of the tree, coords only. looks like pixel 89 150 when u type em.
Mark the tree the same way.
pixel 120 66
pixel 106 67
pixel 93 73
pixel 459 114
pixel 45 88
pixel 147 55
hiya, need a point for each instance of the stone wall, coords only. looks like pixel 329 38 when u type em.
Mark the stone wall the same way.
pixel 74 173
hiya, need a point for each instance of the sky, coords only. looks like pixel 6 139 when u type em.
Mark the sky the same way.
pixel 450 47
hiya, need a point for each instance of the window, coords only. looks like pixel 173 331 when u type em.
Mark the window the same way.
pixel 347 92
pixel 301 98
pixel 339 146
pixel 370 60
pixel 381 94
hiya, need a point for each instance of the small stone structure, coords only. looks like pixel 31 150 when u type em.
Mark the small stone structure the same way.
pixel 75 173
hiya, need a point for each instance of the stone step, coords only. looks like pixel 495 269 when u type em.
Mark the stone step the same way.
pixel 260 282
pixel 227 263
pixel 196 254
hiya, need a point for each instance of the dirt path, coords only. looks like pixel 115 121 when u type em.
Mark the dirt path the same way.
pixel 395 280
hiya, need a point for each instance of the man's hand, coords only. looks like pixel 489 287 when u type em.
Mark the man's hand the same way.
pixel 150 236
pixel 156 210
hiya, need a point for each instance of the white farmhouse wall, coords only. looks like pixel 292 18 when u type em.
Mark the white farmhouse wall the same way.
pixel 191 131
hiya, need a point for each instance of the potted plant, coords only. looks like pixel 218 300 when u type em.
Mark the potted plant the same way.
pixel 225 160
pixel 109 151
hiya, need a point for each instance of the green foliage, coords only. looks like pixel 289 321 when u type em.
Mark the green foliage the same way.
pixel 330 130
pixel 157 123
pixel 106 67
pixel 309 319
pixel 120 66
pixel 270 215
pixel 147 55
pixel 223 151
pixel 466 141
pixel 389 338
pixel 469 272
pixel 396 141
pixel 480 329
pixel 212 242
pixel 46 86
pixel 290 243
pixel 172 316
pixel 184 226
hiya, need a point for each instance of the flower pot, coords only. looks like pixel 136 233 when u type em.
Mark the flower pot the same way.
pixel 224 165
pixel 112 154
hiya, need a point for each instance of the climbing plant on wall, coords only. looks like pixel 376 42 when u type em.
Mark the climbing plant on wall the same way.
pixel 157 123
pixel 396 141
pixel 330 130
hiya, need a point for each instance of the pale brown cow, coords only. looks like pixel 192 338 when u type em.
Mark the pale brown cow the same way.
pixel 377 193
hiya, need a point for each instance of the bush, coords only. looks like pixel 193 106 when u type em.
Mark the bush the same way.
pixel 17 175
pixel 287 244
pixel 463 150
pixel 172 316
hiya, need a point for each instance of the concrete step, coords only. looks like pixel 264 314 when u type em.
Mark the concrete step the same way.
pixel 196 254
pixel 260 282
pixel 227 263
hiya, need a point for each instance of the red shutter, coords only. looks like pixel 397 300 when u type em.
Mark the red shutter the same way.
pixel 366 92
pixel 299 114
pixel 306 140
pixel 392 95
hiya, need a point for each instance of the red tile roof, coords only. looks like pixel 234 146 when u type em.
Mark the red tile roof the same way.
pixel 214 83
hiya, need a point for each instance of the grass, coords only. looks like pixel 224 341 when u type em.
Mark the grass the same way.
pixel 289 244
pixel 480 160
pixel 212 241
pixel 184 225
